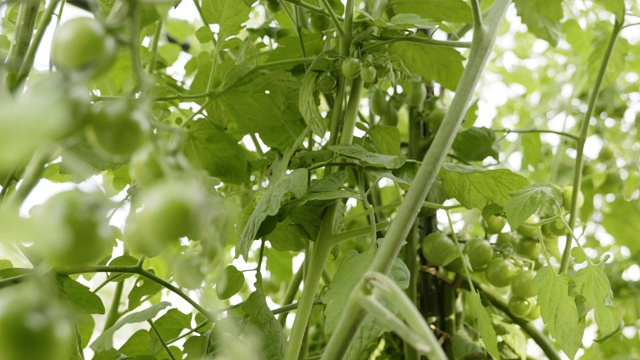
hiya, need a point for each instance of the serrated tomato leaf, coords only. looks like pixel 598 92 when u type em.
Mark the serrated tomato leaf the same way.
pixel 526 201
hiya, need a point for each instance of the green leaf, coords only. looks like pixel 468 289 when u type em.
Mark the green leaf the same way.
pixel 531 150
pixel 559 310
pixel 542 18
pixel 299 227
pixel 228 14
pixel 82 300
pixel 441 64
pixel 386 139
pixel 294 184
pixel 143 288
pixel 308 103
pixel 483 324
pixel 476 187
pixel 261 317
pixel 229 283
pixel 456 11
pixel 475 144
pixel 104 342
pixel 617 62
pixel 622 220
pixel 210 148
pixel 373 159
pixel 172 323
pixel 86 324
pixel 406 21
pixel 400 273
pixel 137 345
pixel 279 264
pixel 526 201
pixel 615 6
pixel 516 340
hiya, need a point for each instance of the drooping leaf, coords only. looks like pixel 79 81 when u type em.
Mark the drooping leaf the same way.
pixel 104 342
pixel 542 18
pixel 259 315
pixel 82 300
pixel 294 184
pixel 559 310
pixel 476 144
pixel 483 323
pixel 386 139
pixel 526 201
pixel 369 158
pixel 476 187
pixel 308 103
pixel 142 289
pixel 441 64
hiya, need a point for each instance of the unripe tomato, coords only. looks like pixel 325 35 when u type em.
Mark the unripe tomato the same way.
pixel 480 253
pixel 534 313
pixel 319 22
pixel 529 230
pixel 114 129
pixel 82 45
pixel 434 120
pixel 521 284
pixel 567 193
pixel 558 228
pixel 81 233
pixel 418 93
pixel 529 248
pixel 273 5
pixel 500 272
pixel 494 224
pixel 391 117
pixel 378 102
pixel 368 73
pixel 456 265
pixel 350 67
pixel 506 239
pixel 519 307
pixel 439 249
pixel 33 326
pixel 326 82
pixel 145 167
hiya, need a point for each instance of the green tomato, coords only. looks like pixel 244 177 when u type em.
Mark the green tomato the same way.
pixel 378 102
pixel 114 129
pixel 273 5
pixel 521 284
pixel 326 82
pixel 480 253
pixel 350 67
pixel 319 22
pixel 529 230
pixel 33 326
pixel 145 167
pixel 80 233
pixel 534 313
pixel 529 248
pixel 391 117
pixel 519 307
pixel 368 73
pixel 567 193
pixel 230 282
pixel 558 228
pixel 434 120
pixel 506 239
pixel 494 224
pixel 439 249
pixel 82 45
pixel 500 272
pixel 418 93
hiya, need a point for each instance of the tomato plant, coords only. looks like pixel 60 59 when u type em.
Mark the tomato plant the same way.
pixel 196 171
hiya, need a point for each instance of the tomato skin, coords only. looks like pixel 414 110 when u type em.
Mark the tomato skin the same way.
pixel 114 129
pixel 145 167
pixel 519 307
pixel 31 327
pixel 368 74
pixel 378 102
pixel 500 272
pixel 529 230
pixel 494 224
pixel 326 82
pixel 529 248
pixel 319 22
pixel 480 253
pixel 81 236
pixel 534 313
pixel 434 120
pixel 506 240
pixel 391 116
pixel 567 193
pixel 521 284
pixel 273 5
pixel 418 93
pixel 439 249
pixel 82 45
pixel 350 67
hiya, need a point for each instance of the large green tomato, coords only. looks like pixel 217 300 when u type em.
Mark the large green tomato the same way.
pixel 521 284
pixel 480 253
pixel 326 82
pixel 368 73
pixel 529 248
pixel 506 240
pixel 519 307
pixel 82 45
pixel 80 233
pixel 439 249
pixel 500 272
pixel 319 22
pixel 33 326
pixel 145 167
pixel 350 67
pixel 567 193
pixel 115 129
pixel 529 230
pixel 494 224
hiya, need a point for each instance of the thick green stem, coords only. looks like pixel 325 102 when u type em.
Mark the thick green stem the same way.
pixel 24 31
pixel 483 40
pixel 292 290
pixel 113 314
pixel 584 128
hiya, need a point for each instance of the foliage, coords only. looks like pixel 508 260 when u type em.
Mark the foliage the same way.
pixel 399 174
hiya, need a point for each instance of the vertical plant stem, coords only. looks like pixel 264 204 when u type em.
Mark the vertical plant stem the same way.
pixel 584 128
pixel 483 40
pixel 113 315
pixel 292 290
pixel 27 14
